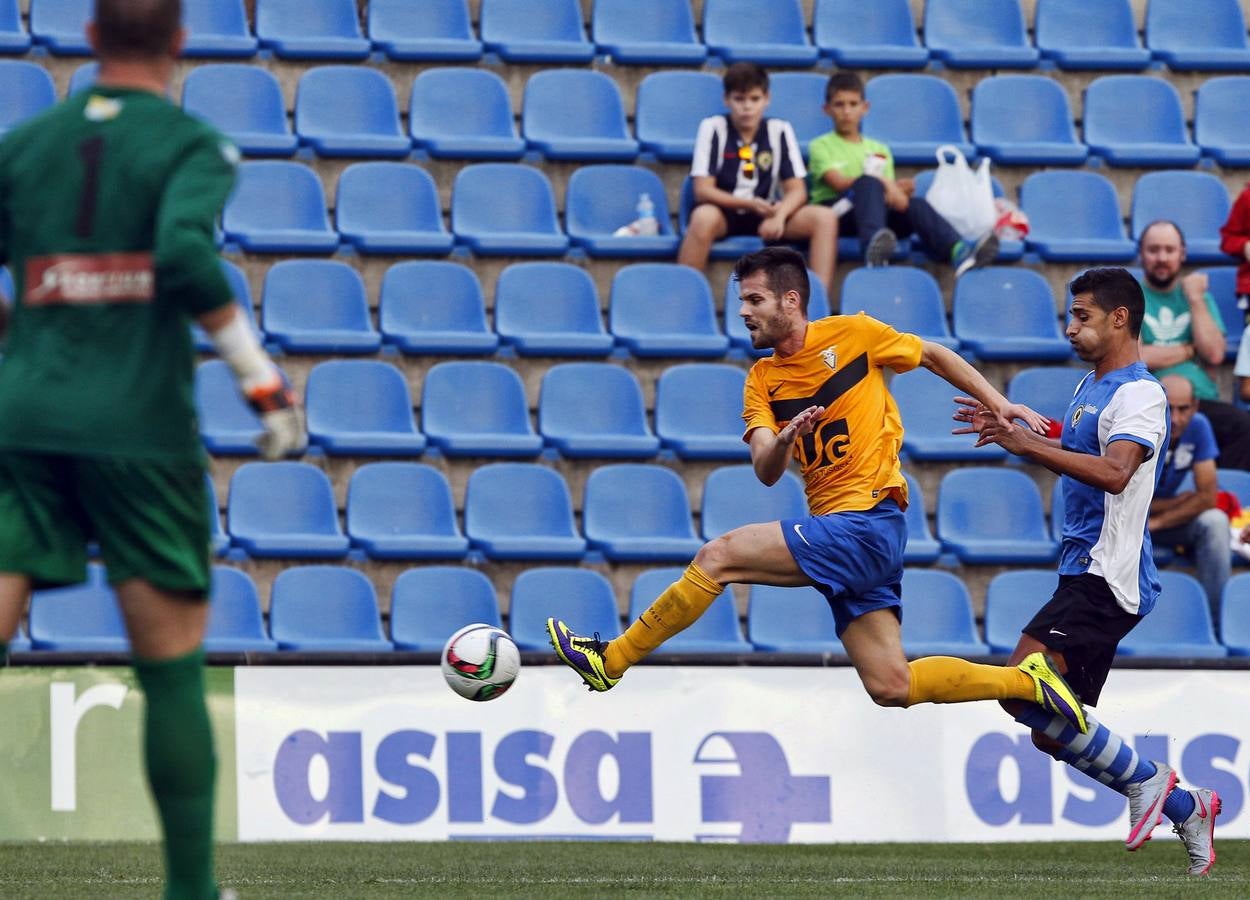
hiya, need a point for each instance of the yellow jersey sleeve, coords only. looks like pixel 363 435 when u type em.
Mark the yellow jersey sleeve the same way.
pixel 900 351
pixel 756 410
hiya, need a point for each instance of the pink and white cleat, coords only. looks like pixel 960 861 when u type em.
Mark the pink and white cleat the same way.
pixel 1197 832
pixel 1145 804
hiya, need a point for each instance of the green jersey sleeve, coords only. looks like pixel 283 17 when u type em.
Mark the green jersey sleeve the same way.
pixel 186 258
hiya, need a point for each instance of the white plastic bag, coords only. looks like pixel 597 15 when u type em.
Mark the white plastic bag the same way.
pixel 961 196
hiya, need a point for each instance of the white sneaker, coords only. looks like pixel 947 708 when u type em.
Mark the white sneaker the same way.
pixel 1145 804
pixel 1197 832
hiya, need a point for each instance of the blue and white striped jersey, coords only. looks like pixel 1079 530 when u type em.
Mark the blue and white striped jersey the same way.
pixel 1105 534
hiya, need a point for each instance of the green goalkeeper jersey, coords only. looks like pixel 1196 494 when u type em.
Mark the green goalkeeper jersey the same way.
pixel 107 207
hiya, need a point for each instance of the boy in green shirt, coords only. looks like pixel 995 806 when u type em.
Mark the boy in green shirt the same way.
pixel 847 166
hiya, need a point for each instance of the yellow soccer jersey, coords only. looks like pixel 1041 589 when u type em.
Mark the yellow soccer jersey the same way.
pixel 850 460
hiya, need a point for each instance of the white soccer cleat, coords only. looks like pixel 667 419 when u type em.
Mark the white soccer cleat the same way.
pixel 1197 832
pixel 1145 804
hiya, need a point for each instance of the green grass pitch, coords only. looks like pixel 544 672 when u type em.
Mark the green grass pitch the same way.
pixel 575 869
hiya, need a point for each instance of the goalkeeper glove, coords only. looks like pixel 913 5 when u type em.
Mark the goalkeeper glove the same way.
pixel 283 419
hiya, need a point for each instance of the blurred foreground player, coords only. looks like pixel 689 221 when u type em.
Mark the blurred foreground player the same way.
pixel 1110 454
pixel 822 399
pixel 107 205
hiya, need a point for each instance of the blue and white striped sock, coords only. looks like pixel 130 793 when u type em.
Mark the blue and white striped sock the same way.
pixel 1099 753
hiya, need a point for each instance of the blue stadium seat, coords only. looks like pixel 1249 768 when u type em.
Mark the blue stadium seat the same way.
pixel 27 90
pixel 220 540
pixel 317 306
pixel 576 114
pixel 937 616
pixel 284 509
pixel 727 247
pixel 1235 615
pixel 278 207
pixel 1009 136
pixel 59 25
pixel 926 403
pixel 698 411
pixel 1136 120
pixel 21 640
pixel 434 306
pixel 505 208
pixel 817 308
pixel 969 34
pixel 906 298
pixel 1223 289
pixel 235 622
pixel 647 32
pixel 1220 126
pixel 1198 35
pixel 581 597
pixel 550 309
pixel 636 512
pixel 922 547
pixel 915 114
pixel 684 324
pixel 993 515
pixel 83 77
pixel 1178 626
pixel 403 510
pixel 13 37
pixel 361 407
pixel 521 511
pixel 1081 35
pixel 242 295
pixel 311 29
pixel 733 496
pixel 430 604
pixel 798 97
pixel 323 609
pixel 1074 217
pixel 390 207
pixel 349 111
pixel 716 631
pixel 1236 481
pixel 736 31
pixel 669 108
pixel 81 617
pixel 242 101
pixel 1008 313
pixel 1011 601
pixel 477 409
pixel 1047 389
pixel 791 620
pixel 227 424
pixel 595 410
pixel 868 35
pixel 600 199
pixel 435 30
pixel 535 31
pixel 217 28
pixel 1196 201
pixel 463 114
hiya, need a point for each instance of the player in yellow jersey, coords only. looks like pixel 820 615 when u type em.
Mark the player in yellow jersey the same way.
pixel 822 399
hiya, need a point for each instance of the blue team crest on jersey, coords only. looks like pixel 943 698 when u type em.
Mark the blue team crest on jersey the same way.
pixel 1076 416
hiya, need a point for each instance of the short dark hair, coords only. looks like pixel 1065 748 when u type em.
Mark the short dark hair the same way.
pixel 743 76
pixel 1141 238
pixel 1111 288
pixel 785 268
pixel 843 81
pixel 136 28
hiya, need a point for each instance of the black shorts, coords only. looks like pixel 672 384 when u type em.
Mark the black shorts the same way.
pixel 1083 622
pixel 742 223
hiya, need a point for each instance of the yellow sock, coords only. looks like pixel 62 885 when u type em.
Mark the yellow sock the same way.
pixel 947 679
pixel 674 610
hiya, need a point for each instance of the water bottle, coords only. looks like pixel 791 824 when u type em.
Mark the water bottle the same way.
pixel 647 225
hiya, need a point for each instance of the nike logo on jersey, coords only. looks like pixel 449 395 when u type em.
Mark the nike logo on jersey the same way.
pixel 1058 632
pixel 772 391
pixel 798 529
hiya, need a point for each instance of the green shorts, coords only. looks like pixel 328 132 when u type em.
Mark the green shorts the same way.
pixel 150 518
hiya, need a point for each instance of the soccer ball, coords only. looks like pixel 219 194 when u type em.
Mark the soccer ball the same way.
pixel 480 662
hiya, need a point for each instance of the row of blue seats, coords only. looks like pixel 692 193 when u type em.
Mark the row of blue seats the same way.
pixel 334 609
pixel 1077 34
pixel 579 114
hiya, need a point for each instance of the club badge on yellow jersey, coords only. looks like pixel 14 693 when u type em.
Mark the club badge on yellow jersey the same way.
pixel 829 356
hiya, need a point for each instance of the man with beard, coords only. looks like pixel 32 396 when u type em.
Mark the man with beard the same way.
pixel 1182 334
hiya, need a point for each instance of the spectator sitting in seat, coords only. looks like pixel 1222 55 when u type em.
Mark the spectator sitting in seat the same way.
pixel 1183 334
pixel 1190 518
pixel 848 166
pixel 741 161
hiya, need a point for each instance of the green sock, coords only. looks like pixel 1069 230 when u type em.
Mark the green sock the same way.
pixel 182 768
pixel 957 249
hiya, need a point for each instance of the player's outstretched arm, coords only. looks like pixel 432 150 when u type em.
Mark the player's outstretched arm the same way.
pixel 770 453
pixel 956 370
pixel 261 381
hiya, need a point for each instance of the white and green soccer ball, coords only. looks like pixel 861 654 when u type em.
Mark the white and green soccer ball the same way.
pixel 480 662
